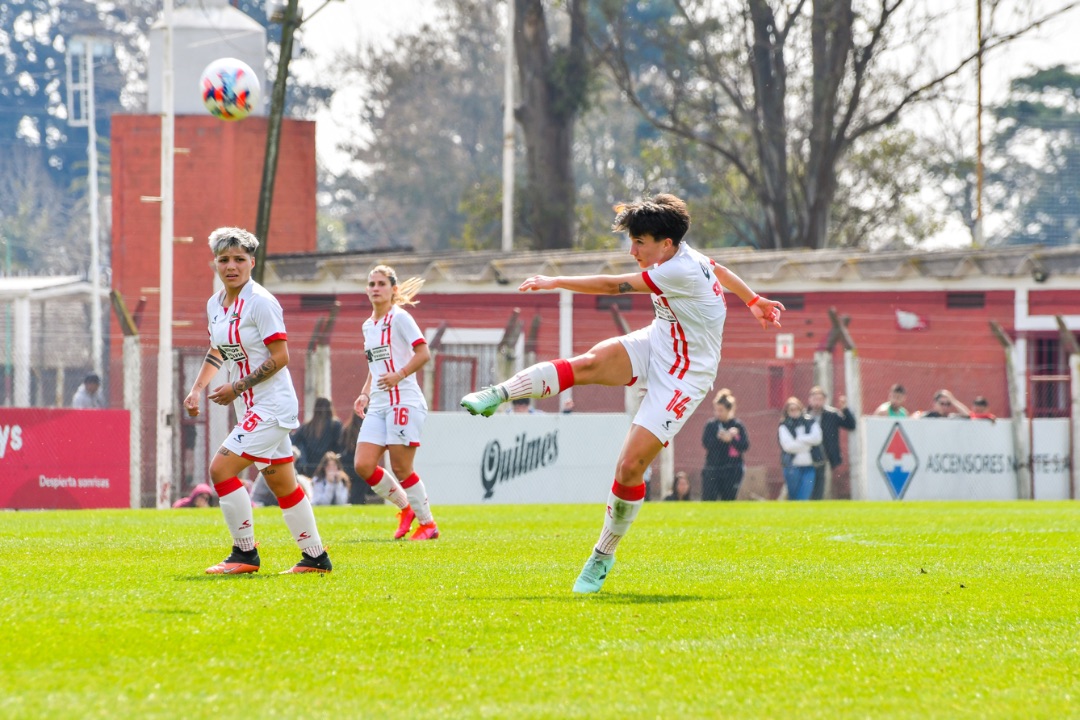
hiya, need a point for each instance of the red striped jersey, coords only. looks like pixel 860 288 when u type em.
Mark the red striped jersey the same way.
pixel 388 346
pixel 686 333
pixel 241 331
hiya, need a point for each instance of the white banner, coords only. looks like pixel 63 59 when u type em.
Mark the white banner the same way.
pixel 520 458
pixel 1050 458
pixel 956 459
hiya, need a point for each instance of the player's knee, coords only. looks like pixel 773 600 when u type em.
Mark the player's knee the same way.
pixel 401 470
pixel 364 469
pixel 630 471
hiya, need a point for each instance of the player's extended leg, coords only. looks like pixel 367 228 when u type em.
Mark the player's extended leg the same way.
pixel 401 461
pixel 299 517
pixel 235 503
pixel 384 484
pixel 606 363
pixel 625 501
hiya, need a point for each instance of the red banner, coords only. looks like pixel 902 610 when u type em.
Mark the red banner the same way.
pixel 64 458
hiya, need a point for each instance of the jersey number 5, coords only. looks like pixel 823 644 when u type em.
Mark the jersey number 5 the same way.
pixel 250 421
pixel 678 404
pixel 401 416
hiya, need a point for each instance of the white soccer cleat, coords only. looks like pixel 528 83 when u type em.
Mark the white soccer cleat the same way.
pixel 594 573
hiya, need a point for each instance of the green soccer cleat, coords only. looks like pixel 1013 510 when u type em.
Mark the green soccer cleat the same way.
pixel 594 573
pixel 483 402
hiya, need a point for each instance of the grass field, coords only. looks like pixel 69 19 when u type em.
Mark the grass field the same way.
pixel 774 610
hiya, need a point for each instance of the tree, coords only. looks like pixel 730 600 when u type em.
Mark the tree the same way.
pixel 554 81
pixel 428 150
pixel 1037 176
pixel 736 76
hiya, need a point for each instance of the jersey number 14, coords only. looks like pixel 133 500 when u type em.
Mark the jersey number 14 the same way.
pixel 678 404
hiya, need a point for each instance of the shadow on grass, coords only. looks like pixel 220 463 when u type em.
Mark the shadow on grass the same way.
pixel 605 598
pixel 224 578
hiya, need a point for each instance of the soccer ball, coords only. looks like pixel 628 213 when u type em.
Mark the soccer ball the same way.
pixel 230 89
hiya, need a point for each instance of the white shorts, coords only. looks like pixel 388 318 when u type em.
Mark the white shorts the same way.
pixel 393 425
pixel 668 401
pixel 264 442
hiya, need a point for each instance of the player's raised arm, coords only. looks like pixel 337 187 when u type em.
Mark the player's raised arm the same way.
pixel 588 284
pixel 765 310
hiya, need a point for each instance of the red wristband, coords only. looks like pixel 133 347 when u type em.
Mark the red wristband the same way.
pixel 753 301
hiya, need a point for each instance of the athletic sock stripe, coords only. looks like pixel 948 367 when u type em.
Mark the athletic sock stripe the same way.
pixel 292 499
pixel 628 493
pixel 227 486
pixel 565 373
pixel 410 481
pixel 376 477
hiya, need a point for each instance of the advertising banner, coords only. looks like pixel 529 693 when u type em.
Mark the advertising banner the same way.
pixel 52 459
pixel 520 458
pixel 959 459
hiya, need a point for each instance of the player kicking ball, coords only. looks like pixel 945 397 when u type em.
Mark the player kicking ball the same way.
pixel 247 335
pixel 675 358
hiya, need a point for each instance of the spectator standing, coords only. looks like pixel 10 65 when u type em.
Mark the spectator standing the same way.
pixel 831 420
pixel 318 436
pixel 894 406
pixel 980 410
pixel 89 395
pixel 946 406
pixel 350 431
pixel 799 434
pixel 725 440
pixel 680 490
pixel 330 484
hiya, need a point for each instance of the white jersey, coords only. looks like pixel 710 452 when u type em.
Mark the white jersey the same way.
pixel 388 345
pixel 241 333
pixel 686 333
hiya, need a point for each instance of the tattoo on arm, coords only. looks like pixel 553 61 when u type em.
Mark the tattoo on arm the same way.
pixel 625 287
pixel 261 373
pixel 213 360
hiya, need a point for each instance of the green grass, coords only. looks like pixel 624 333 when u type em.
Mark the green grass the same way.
pixel 736 610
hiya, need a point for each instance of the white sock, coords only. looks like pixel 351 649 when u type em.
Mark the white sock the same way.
pixel 417 494
pixel 236 506
pixel 385 485
pixel 539 381
pixel 300 518
pixel 624 503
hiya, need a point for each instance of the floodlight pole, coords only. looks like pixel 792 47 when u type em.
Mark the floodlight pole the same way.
pixel 289 23
pixel 166 397
pixel 508 132
pixel 979 172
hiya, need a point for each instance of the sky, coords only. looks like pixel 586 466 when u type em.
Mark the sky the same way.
pixel 348 23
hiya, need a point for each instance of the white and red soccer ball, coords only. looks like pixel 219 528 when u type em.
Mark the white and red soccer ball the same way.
pixel 230 89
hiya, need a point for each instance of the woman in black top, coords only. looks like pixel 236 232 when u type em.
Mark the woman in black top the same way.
pixel 320 435
pixel 725 440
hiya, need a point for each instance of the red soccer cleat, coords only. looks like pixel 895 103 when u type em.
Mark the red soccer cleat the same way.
pixel 404 518
pixel 239 562
pixel 426 532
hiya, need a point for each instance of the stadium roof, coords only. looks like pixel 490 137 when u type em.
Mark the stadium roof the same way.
pixel 795 270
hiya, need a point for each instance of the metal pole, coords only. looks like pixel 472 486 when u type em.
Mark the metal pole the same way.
pixel 508 133
pixel 165 395
pixel 978 129
pixel 95 252
pixel 273 138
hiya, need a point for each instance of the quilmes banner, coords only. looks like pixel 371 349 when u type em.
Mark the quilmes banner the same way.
pixel 960 459
pixel 53 459
pixel 520 458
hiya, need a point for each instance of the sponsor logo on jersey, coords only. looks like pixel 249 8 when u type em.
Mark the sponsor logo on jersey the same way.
pixel 500 465
pixel 232 352
pixel 897 462
pixel 663 312
pixel 382 352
